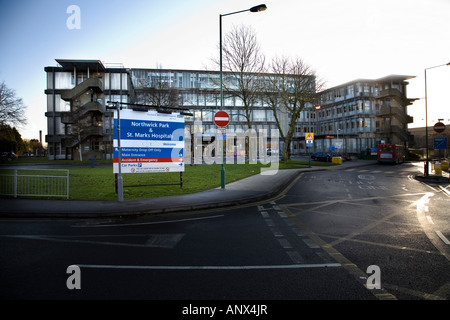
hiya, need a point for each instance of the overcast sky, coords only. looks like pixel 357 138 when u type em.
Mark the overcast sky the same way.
pixel 343 40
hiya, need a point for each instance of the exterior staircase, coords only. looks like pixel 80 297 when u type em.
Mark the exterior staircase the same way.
pixel 94 84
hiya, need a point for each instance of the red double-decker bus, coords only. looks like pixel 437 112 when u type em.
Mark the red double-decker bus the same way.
pixel 393 153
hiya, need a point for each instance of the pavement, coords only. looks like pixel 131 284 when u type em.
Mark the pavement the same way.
pixel 249 190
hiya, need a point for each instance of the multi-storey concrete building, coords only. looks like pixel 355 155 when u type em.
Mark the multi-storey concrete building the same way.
pixel 78 124
pixel 362 113
pixel 198 91
pixel 352 117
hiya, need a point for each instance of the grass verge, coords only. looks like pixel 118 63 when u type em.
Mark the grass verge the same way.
pixel 98 183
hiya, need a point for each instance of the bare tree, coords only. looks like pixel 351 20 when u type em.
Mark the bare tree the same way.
pixel 290 85
pixel 161 96
pixel 12 109
pixel 159 92
pixel 243 64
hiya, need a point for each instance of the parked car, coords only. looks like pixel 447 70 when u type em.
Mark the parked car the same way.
pixel 327 156
pixel 321 156
pixel 8 156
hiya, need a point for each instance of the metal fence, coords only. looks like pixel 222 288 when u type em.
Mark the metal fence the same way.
pixel 35 183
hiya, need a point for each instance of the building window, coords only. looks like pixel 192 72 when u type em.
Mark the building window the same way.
pixel 212 99
pixel 207 115
pixel 270 116
pixel 95 145
pixel 350 91
pixel 197 114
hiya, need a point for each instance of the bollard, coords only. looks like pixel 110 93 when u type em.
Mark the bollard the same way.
pixel 93 161
pixel 437 169
pixel 444 165
pixel 336 160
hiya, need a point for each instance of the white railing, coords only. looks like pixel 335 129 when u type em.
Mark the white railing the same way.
pixel 35 183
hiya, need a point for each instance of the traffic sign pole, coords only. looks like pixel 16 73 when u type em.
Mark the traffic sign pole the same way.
pixel 222 119
pixel 309 138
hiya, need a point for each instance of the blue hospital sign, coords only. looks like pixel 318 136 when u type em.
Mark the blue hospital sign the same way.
pixel 149 142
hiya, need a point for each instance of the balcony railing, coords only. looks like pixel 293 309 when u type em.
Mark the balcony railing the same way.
pixel 71 117
pixel 86 132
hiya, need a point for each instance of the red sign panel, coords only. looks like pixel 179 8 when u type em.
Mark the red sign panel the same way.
pixel 221 119
pixel 439 127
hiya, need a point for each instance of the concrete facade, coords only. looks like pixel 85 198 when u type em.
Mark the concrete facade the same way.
pixel 350 117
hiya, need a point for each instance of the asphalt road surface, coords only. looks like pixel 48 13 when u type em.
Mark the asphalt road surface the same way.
pixel 370 233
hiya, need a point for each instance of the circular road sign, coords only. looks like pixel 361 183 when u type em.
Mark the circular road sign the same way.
pixel 439 127
pixel 221 119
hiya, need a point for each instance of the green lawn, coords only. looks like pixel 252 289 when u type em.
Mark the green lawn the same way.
pixel 98 183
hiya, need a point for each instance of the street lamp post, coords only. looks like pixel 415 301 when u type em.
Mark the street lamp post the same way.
pixel 257 8
pixel 427 162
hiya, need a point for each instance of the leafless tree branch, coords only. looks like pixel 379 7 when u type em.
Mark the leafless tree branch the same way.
pixel 242 63
pixel 12 108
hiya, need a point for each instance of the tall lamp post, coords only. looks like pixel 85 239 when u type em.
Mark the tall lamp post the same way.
pixel 427 163
pixel 257 8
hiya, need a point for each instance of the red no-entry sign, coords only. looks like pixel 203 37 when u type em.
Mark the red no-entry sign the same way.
pixel 221 119
pixel 439 127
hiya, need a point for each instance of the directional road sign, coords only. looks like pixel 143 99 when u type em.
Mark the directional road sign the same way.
pixel 440 143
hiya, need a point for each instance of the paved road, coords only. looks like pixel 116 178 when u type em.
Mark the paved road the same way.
pixel 315 241
pixel 379 216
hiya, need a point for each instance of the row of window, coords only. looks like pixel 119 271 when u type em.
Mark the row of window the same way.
pixel 357 89
pixel 176 79
pixel 350 108
pixel 61 105
pixel 236 115
pixel 351 125
pixel 68 80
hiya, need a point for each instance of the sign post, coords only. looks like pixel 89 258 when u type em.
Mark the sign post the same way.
pixel 309 138
pixel 222 119
pixel 440 142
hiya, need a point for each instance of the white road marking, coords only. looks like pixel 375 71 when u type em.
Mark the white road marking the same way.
pixel 152 240
pixel 444 190
pixel 282 214
pixel 295 257
pixel 264 214
pixel 311 243
pixel 269 222
pixel 144 223
pixel 276 233
pixel 298 232
pixel 443 238
pixel 284 243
